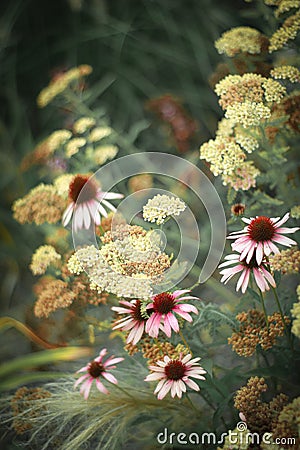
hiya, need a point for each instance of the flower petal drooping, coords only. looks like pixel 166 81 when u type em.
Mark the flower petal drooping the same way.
pixel 261 275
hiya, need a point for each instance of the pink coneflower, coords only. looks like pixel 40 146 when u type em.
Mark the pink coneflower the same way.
pixel 164 307
pixel 133 321
pixel 86 206
pixel 174 375
pixel 96 369
pixel 259 236
pixel 261 275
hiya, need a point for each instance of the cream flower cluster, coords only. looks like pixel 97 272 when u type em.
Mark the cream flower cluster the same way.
pixel 42 258
pixel 162 206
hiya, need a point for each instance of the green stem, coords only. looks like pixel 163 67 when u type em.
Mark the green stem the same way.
pixel 185 342
pixel 264 309
pixel 192 404
pixel 283 318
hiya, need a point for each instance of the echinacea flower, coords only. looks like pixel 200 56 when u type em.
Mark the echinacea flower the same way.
pixel 133 321
pixel 164 307
pixel 173 374
pixel 260 235
pixel 86 206
pixel 261 275
pixel 96 369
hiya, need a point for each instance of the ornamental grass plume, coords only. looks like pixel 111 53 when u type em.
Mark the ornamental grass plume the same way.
pixel 174 375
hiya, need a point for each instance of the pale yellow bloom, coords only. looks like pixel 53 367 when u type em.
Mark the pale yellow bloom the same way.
pixel 58 138
pixel 290 73
pixel 99 133
pixel 42 258
pixel 74 145
pixel 62 184
pixel 274 91
pixel 288 31
pixel 243 177
pixel 104 153
pixel 83 124
pixel 223 154
pixel 240 40
pixel 59 85
pixel 286 5
pixel 161 207
pixel 295 212
pixel 248 113
pixel 296 314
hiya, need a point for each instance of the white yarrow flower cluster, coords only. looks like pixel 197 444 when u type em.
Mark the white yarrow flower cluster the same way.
pixel 162 206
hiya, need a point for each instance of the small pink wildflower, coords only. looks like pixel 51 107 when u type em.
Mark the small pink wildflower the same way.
pixel 96 369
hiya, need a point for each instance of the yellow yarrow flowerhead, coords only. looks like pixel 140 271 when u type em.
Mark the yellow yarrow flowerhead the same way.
pixel 223 154
pixel 249 89
pixel 296 314
pixel 288 31
pixel 285 6
pixel 241 40
pixel 290 73
pixel 99 133
pixel 62 184
pixel 42 258
pixel 243 177
pixel 160 207
pixel 74 145
pixel 104 153
pixel 248 113
pixel 41 204
pixel 83 124
pixel 57 139
pixel 103 278
pixel 60 84
pixel 295 212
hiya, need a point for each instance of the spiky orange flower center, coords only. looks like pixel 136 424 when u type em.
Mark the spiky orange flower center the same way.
pixel 77 184
pixel 163 303
pixel 95 369
pixel 261 229
pixel 175 370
